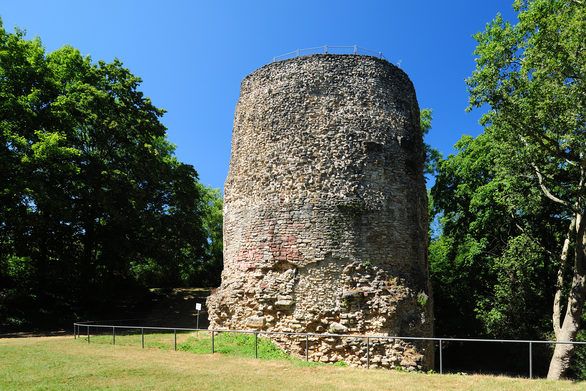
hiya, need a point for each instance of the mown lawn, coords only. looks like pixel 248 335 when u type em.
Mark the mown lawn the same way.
pixel 61 363
pixel 233 344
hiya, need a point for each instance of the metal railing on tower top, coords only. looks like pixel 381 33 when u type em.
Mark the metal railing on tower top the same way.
pixel 332 49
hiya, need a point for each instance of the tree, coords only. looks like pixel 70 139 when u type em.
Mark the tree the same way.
pixel 488 265
pixel 202 271
pixel 432 155
pixel 89 187
pixel 212 263
pixel 531 75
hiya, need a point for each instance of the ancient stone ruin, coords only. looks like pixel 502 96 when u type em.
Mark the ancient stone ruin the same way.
pixel 325 213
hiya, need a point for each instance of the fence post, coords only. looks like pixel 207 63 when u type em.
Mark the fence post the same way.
pixel 113 335
pixel 74 331
pixel 441 358
pixel 213 341
pixel 355 49
pixel 255 345
pixel 530 360
pixel 175 334
pixel 88 334
pixel 326 49
pixel 306 348
pixel 367 353
pixel 297 52
pixel 142 335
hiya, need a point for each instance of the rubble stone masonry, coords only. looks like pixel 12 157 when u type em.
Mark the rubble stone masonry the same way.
pixel 325 211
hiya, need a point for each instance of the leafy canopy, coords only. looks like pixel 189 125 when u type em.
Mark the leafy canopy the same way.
pixel 92 199
pixel 531 77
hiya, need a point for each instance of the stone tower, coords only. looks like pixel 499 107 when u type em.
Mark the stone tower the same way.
pixel 325 211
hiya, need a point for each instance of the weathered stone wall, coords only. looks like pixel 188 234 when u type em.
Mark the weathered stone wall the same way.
pixel 325 210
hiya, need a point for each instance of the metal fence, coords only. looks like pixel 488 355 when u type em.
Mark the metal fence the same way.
pixel 355 49
pixel 77 330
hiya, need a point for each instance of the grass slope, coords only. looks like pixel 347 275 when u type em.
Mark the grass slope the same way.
pixel 60 363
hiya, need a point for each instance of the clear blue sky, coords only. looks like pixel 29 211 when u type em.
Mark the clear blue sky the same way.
pixel 192 55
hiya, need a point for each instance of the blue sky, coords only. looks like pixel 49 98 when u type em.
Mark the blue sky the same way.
pixel 192 55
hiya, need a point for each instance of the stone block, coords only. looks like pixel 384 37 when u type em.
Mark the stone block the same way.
pixel 337 328
pixel 255 322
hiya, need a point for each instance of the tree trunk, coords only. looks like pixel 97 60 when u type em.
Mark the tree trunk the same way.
pixel 562 354
pixel 557 301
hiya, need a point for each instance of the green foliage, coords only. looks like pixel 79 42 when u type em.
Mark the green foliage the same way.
pixel 92 199
pixel 490 269
pixel 432 155
pixel 531 76
pixel 212 218
pixel 505 201
pixel 521 271
pixel 422 299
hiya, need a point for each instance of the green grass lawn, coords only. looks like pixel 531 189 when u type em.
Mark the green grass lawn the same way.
pixel 62 363
pixel 233 344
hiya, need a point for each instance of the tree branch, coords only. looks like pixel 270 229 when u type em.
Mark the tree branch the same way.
pixel 546 191
pixel 543 140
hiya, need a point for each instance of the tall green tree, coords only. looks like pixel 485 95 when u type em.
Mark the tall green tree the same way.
pixel 491 271
pixel 89 185
pixel 531 76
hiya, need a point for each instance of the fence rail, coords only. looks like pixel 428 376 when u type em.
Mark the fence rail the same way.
pixel 87 325
pixel 355 49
